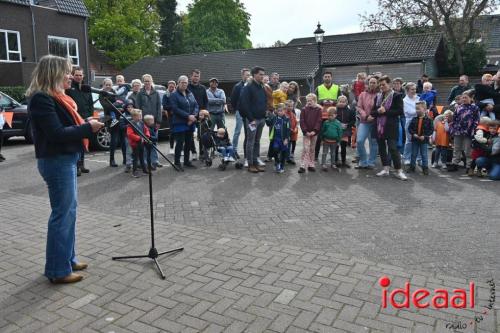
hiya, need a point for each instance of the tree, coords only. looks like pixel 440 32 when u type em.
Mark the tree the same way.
pixel 171 29
pixel 214 25
pixel 278 43
pixel 455 18
pixel 126 30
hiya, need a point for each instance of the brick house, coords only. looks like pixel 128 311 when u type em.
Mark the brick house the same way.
pixel 30 29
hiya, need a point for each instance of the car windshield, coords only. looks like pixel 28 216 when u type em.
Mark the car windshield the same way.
pixel 97 104
pixel 7 101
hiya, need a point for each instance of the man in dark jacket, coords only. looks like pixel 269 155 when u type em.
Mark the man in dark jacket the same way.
pixel 253 106
pixel 200 94
pixel 463 85
pixel 235 97
pixel 85 108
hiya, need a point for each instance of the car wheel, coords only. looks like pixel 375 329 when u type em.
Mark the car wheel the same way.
pixel 28 134
pixel 102 139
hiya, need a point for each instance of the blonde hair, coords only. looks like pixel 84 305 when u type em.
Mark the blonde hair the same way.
pixel 136 112
pixel 313 96
pixel 447 112
pixel 283 85
pixel 221 131
pixel 134 81
pixel 145 76
pixel 487 77
pixel 149 117
pixel 280 106
pixel 342 98
pixel 106 80
pixel 205 113
pixel 332 110
pixel 49 74
pixel 427 84
pixel 422 104
pixel 485 120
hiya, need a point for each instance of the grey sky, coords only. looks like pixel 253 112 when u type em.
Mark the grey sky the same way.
pixel 274 20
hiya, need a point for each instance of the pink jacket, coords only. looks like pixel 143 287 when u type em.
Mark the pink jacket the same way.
pixel 365 105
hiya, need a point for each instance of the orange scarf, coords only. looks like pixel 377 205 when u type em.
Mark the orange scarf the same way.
pixel 70 105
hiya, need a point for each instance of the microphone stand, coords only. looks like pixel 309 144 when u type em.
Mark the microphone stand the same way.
pixel 153 252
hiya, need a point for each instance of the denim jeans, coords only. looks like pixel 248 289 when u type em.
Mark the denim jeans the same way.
pixel 416 148
pixel 59 173
pixel 407 149
pixel 154 156
pixel 402 123
pixel 365 133
pixel 253 141
pixel 493 168
pixel 128 153
pixel 443 153
pixel 226 151
pixel 237 130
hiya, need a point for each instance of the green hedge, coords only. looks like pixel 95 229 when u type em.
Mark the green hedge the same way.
pixel 15 92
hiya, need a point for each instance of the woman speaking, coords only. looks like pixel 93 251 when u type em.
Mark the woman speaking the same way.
pixel 59 134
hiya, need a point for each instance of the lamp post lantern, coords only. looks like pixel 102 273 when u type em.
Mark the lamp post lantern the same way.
pixel 319 34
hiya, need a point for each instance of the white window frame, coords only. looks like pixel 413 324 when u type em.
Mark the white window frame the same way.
pixel 67 39
pixel 6 40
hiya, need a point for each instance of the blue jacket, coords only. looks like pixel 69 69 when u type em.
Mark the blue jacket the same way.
pixel 253 101
pixel 54 131
pixel 235 95
pixel 182 107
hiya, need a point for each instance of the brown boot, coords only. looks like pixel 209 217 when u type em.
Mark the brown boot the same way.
pixel 261 168
pixel 72 278
pixel 80 266
pixel 253 169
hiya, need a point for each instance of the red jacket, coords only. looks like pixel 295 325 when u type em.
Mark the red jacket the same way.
pixel 293 125
pixel 133 138
pixel 310 119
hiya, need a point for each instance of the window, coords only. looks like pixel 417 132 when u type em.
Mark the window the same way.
pixel 10 46
pixel 64 47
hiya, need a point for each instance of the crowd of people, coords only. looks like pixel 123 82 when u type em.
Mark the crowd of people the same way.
pixel 375 115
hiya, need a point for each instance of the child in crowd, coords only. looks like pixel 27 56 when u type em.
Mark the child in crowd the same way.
pixel 485 95
pixel 149 121
pixel 359 85
pixel 490 162
pixel 347 118
pixel 136 142
pixel 479 143
pixel 294 130
pixel 331 134
pixel 462 128
pixel 429 96
pixel 204 125
pixel 126 150
pixel 310 124
pixel 280 95
pixel 441 138
pixel 224 145
pixel 420 130
pixel 279 136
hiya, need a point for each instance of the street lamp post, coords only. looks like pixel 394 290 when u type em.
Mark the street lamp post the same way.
pixel 319 34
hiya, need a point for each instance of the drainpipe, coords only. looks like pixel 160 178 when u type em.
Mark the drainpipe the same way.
pixel 87 52
pixel 35 52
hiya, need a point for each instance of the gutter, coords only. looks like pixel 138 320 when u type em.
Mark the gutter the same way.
pixel 35 51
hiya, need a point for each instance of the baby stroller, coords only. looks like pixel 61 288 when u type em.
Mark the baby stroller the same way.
pixel 212 151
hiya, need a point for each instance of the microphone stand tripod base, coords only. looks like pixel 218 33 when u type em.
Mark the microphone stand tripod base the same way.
pixel 153 254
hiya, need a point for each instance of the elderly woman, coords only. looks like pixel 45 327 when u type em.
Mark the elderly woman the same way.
pixel 366 124
pixel 184 112
pixel 60 134
pixel 409 102
pixel 387 109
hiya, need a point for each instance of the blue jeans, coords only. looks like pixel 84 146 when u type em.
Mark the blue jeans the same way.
pixel 417 147
pixel 365 133
pixel 443 153
pixel 493 168
pixel 154 156
pixel 226 151
pixel 59 173
pixel 402 138
pixel 237 130
pixel 407 149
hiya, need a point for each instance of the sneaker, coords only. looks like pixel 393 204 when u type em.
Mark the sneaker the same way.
pixel 311 169
pixel 194 157
pixel 277 167
pixel 282 169
pixel 324 168
pixel 383 173
pixel 136 174
pixel 444 167
pixel 78 172
pixel 435 166
pixel 400 175
pixel 410 169
pixel 302 170
pixel 260 162
pixel 114 122
pixel 470 172
pixel 253 169
pixel 159 165
pixel 360 167
pixel 171 151
pixel 226 159
pixel 245 165
pixel 334 167
pixel 425 171
pixel 483 173
pixel 2 158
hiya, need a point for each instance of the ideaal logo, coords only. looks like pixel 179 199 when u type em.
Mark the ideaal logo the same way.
pixel 439 299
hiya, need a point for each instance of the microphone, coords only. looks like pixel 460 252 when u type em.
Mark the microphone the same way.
pixel 88 89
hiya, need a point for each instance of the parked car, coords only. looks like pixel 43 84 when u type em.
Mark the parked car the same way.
pixel 20 121
pixel 102 139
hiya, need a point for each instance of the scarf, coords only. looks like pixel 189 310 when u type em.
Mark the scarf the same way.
pixel 382 119
pixel 70 105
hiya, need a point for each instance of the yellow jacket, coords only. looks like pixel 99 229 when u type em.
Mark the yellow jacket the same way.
pixel 279 96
